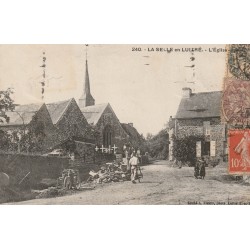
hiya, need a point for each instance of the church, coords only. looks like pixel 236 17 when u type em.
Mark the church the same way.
pixel 111 134
pixel 90 130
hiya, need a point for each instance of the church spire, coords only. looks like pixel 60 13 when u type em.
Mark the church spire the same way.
pixel 86 87
pixel 86 99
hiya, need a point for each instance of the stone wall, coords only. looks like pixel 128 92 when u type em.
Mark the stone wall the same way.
pixel 185 131
pixel 73 123
pixel 119 135
pixel 218 134
pixel 40 167
pixel 43 116
pixel 86 152
pixel 189 127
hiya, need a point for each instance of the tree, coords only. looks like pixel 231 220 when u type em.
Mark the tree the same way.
pixel 184 149
pixel 33 139
pixel 149 136
pixel 6 104
pixel 157 146
pixel 5 140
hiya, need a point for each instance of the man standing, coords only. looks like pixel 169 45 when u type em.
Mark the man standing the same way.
pixel 127 157
pixel 197 169
pixel 138 154
pixel 202 168
pixel 134 164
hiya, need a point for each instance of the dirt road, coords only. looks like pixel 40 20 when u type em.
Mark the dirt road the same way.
pixel 162 184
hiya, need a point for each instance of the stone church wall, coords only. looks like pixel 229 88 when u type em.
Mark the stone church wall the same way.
pixel 73 123
pixel 119 137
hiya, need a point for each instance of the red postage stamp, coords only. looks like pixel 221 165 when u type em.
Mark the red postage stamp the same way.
pixel 239 151
pixel 236 102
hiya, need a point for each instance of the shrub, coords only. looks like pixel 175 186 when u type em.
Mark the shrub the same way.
pixel 184 149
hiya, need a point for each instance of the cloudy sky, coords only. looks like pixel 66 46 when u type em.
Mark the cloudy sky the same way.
pixel 142 85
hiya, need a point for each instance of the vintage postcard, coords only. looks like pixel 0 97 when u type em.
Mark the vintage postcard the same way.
pixel 125 124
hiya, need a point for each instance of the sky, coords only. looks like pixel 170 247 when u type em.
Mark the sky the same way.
pixel 143 83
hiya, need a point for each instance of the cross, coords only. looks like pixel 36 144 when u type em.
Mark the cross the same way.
pixel 109 150
pixel 114 148
pixel 102 148
pixel 106 150
pixel 96 148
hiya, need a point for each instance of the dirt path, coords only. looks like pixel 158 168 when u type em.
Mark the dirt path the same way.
pixel 162 184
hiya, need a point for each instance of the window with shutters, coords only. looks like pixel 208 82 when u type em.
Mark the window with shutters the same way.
pixel 212 148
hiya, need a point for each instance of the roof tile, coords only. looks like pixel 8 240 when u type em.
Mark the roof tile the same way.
pixel 22 114
pixel 56 109
pixel 200 105
pixel 94 113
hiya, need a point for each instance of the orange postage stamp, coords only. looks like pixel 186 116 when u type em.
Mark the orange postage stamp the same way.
pixel 239 151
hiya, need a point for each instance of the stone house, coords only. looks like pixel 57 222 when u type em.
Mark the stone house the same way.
pixel 72 129
pixel 199 114
pixel 61 122
pixel 26 118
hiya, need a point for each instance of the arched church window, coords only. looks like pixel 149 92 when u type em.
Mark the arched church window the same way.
pixel 107 136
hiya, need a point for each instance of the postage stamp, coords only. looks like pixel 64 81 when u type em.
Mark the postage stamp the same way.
pixel 236 102
pixel 239 61
pixel 239 151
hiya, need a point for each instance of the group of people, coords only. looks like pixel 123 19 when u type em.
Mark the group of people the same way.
pixel 132 158
pixel 200 168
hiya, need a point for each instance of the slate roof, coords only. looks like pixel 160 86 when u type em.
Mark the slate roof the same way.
pixel 22 115
pixel 94 113
pixel 200 105
pixel 131 131
pixel 57 109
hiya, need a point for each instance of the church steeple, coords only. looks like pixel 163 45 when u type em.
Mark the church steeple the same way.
pixel 86 98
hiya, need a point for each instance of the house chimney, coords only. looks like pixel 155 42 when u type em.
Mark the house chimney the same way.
pixel 186 92
pixel 131 124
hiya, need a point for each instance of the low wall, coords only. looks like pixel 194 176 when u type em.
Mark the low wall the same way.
pixel 17 166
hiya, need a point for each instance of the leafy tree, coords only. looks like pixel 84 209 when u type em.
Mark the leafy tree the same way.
pixel 6 104
pixel 184 149
pixel 149 136
pixel 5 140
pixel 157 146
pixel 33 139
